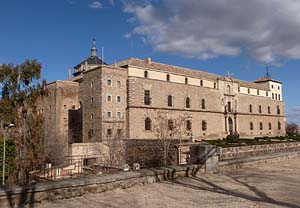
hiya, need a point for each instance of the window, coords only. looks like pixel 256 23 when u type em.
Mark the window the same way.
pixel 204 125
pixel 228 90
pixel 170 101
pixel 92 84
pixel 251 126
pixel 250 108
pixel 109 114
pixel 270 126
pixel 170 125
pixel 203 104
pixel 119 132
pixel 201 83
pixel 273 96
pixel 108 98
pixel 272 86
pixel 187 102
pixel 259 109
pixel 147 99
pixel 269 110
pixel 109 132
pixel 215 85
pixel 278 88
pixel 109 82
pixel 91 133
pixel 168 77
pixel 279 126
pixel 188 125
pixel 267 94
pixel 239 89
pixel 279 97
pixel 119 115
pixel 92 116
pixel 186 80
pixel 119 84
pixel 146 74
pixel 257 92
pixel 261 126
pixel 118 99
pixel 92 100
pixel 148 124
pixel 229 107
pixel 248 91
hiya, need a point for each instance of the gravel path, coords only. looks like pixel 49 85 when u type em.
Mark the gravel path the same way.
pixel 269 185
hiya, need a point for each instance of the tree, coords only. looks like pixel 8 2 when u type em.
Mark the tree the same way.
pixel 167 128
pixel 291 128
pixel 20 88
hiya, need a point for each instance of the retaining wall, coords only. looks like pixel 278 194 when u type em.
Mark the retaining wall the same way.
pixel 231 153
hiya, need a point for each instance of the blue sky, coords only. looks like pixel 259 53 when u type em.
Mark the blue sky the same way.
pixel 58 33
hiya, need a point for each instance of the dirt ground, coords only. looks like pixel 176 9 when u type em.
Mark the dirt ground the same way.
pixel 268 185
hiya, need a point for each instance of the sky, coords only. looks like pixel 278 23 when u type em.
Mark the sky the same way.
pixel 240 37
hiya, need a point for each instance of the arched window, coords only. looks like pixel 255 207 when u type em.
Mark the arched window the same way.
pixel 148 124
pixel 188 125
pixel 250 108
pixel 201 83
pixel 228 89
pixel 279 126
pixel 186 80
pixel 146 74
pixel 168 77
pixel 204 125
pixel 203 104
pixel 259 109
pixel 278 109
pixel 270 126
pixel 251 126
pixel 170 100
pixel 170 125
pixel 187 102
pixel 261 126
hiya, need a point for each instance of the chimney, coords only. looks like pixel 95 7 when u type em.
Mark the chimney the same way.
pixel 148 60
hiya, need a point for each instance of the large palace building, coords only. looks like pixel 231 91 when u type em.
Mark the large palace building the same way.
pixel 102 100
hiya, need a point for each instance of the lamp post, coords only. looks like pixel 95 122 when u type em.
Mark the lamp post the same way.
pixel 3 159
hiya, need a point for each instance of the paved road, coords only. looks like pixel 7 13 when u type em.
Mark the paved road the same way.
pixel 269 185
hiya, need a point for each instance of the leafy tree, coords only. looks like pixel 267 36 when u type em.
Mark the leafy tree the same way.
pixel 20 88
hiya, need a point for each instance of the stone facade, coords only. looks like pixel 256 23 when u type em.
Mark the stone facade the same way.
pixel 118 99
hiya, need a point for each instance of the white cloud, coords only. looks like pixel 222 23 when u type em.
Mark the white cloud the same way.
pixel 293 115
pixel 95 5
pixel 111 2
pixel 268 31
pixel 127 35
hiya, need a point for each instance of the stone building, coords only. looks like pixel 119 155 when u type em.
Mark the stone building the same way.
pixel 124 98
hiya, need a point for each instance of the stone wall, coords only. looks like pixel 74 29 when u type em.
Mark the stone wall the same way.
pixel 230 153
pixel 50 191
pixel 149 153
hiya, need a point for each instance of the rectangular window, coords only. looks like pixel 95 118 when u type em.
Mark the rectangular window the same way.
pixel 147 98
pixel 118 99
pixel 119 115
pixel 108 98
pixel 109 132
pixel 119 84
pixel 170 101
pixel 119 132
pixel 109 82
pixel 109 114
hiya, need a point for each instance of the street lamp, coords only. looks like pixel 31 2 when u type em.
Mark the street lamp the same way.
pixel 3 159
